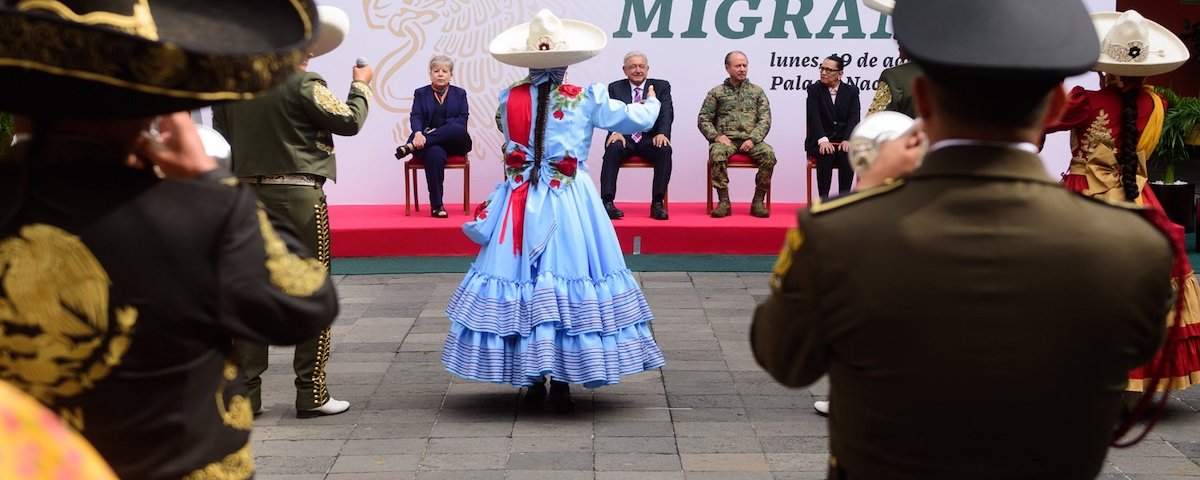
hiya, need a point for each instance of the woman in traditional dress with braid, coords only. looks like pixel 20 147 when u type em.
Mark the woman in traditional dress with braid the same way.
pixel 549 294
pixel 1113 131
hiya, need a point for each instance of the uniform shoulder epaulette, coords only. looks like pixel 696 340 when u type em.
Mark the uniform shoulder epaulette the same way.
pixel 842 201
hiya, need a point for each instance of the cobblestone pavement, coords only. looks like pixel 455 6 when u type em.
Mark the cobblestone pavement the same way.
pixel 711 413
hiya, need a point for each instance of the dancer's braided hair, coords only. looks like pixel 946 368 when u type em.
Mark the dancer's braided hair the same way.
pixel 1127 159
pixel 539 131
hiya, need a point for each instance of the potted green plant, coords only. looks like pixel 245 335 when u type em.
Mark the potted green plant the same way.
pixel 6 131
pixel 1181 125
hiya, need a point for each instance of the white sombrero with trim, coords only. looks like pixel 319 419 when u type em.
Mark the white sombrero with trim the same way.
pixel 548 42
pixel 335 26
pixel 882 6
pixel 1133 46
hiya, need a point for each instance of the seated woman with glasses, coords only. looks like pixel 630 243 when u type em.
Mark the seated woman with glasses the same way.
pixel 439 127
pixel 833 112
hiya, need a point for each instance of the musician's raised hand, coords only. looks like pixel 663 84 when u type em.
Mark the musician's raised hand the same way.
pixel 896 159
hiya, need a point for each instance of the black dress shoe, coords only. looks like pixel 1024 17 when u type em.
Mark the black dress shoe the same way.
pixel 535 395
pixel 613 212
pixel 657 211
pixel 560 397
pixel 404 151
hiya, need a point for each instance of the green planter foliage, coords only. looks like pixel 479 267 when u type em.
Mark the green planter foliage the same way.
pixel 6 131
pixel 1182 117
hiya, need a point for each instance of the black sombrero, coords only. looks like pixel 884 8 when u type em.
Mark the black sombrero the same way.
pixel 133 58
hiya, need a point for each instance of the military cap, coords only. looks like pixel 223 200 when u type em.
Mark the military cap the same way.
pixel 998 39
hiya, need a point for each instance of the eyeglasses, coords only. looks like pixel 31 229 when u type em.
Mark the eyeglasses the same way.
pixel 827 70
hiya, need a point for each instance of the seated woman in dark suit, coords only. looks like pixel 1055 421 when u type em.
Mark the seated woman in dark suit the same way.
pixel 439 127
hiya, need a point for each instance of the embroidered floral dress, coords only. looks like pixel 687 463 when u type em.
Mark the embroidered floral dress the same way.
pixel 549 293
pixel 35 445
pixel 1094 119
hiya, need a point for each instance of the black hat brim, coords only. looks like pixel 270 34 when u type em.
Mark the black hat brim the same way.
pixel 206 52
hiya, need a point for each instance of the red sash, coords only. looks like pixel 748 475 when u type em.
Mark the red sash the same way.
pixel 520 122
pixel 520 114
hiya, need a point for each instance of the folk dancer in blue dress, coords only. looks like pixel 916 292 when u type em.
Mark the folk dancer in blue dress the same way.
pixel 549 294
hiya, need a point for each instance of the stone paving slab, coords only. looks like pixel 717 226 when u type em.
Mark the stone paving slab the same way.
pixel 710 414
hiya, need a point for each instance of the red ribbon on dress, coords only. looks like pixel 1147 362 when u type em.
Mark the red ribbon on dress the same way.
pixel 1160 363
pixel 516 207
pixel 520 114
pixel 520 123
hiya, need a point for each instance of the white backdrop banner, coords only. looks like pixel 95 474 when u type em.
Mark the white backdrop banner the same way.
pixel 685 42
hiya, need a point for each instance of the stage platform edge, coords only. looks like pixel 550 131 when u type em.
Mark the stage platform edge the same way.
pixel 384 231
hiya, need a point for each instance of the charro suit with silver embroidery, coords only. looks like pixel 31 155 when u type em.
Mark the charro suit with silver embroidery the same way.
pixel 120 295
pixel 290 131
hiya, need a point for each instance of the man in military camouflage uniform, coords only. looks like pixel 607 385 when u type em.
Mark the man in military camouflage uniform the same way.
pixel 283 144
pixel 736 117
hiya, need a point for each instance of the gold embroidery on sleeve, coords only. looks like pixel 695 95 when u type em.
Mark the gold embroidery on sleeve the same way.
pixel 237 415
pixel 786 256
pixel 330 102
pixel 364 89
pixel 322 146
pixel 54 309
pixel 293 275
pixel 883 97
pixel 238 465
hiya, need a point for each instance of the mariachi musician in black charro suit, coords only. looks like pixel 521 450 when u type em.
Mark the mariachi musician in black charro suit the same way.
pixel 654 144
pixel 121 291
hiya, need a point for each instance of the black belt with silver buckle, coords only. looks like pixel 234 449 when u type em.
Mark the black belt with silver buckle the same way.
pixel 298 179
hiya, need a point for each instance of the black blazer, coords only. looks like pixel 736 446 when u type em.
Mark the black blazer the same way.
pixel 826 119
pixel 620 90
pixel 424 103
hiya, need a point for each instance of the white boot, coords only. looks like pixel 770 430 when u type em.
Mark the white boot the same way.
pixel 822 407
pixel 331 407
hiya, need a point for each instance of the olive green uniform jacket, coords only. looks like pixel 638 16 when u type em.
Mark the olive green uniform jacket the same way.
pixel 976 321
pixel 894 93
pixel 291 129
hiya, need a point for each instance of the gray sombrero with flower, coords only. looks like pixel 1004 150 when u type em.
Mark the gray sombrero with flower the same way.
pixel 548 42
pixel 1133 46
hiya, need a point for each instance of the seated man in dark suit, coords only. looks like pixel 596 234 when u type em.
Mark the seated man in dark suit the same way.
pixel 833 112
pixel 654 145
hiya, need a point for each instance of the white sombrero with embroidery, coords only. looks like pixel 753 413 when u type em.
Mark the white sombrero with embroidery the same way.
pixel 882 6
pixel 335 25
pixel 1133 46
pixel 548 42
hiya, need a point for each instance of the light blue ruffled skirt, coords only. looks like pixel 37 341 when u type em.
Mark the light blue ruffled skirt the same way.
pixel 566 306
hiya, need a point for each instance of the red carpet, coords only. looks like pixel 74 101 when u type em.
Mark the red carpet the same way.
pixel 384 231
